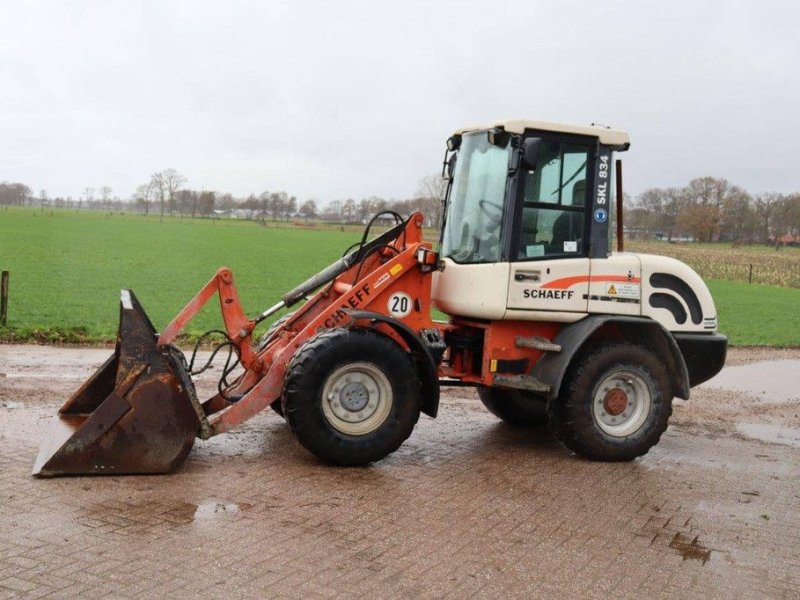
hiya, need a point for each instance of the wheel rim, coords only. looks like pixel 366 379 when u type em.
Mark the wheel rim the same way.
pixel 621 403
pixel 357 398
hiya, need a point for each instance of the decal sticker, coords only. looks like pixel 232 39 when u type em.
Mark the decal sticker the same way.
pixel 399 304
pixel 381 280
pixel 354 301
pixel 570 246
pixel 548 294
pixel 602 186
pixel 396 269
pixel 600 215
pixel 622 290
pixel 534 250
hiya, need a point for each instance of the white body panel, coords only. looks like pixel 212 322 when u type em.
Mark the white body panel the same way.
pixel 695 290
pixel 477 291
pixel 491 291
pixel 606 135
pixel 615 285
pixel 560 284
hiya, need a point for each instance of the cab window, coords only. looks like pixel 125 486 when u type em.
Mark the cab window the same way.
pixel 553 215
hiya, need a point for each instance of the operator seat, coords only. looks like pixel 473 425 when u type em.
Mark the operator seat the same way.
pixel 568 226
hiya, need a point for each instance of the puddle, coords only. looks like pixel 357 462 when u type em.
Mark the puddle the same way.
pixel 772 434
pixel 768 381
pixel 690 548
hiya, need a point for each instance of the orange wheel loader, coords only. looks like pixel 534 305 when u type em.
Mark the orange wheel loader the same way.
pixel 547 322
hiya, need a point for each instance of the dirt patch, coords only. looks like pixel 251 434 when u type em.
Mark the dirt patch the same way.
pixel 468 506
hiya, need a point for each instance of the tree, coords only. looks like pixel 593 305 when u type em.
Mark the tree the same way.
pixel 165 184
pixel 14 193
pixel 252 205
pixel 291 207
pixel 206 203
pixel 701 221
pixel 738 220
pixel 43 198
pixel 105 194
pixel 333 211
pixel 431 191
pixel 89 195
pixel 349 210
pixel 309 209
pixel 662 207
pixel 144 194
pixel 787 218
pixel 767 209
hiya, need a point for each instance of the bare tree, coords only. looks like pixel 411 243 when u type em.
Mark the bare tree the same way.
pixel 43 199
pixel 206 203
pixel 309 209
pixel 349 210
pixel 144 194
pixel 291 207
pixel 166 183
pixel 430 192
pixel 89 195
pixel 105 194
pixel 767 209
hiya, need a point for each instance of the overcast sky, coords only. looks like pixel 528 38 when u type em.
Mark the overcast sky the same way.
pixel 351 99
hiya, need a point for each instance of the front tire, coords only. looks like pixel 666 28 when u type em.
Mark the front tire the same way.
pixel 515 407
pixel 351 396
pixel 614 404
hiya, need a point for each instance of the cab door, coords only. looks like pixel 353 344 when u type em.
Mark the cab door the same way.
pixel 550 267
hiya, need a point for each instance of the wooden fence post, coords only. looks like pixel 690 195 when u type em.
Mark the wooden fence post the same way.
pixel 4 298
pixel 750 278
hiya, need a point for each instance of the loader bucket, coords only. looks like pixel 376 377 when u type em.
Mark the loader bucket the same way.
pixel 138 413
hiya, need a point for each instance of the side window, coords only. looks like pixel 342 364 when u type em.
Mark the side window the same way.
pixel 553 214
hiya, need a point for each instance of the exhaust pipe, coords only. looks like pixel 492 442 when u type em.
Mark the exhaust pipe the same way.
pixel 138 413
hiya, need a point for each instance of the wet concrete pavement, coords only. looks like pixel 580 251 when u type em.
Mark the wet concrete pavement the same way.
pixel 467 507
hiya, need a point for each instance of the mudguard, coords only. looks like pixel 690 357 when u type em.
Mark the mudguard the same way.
pixel 423 359
pixel 552 367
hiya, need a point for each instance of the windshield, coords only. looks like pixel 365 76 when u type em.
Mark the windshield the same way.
pixel 476 204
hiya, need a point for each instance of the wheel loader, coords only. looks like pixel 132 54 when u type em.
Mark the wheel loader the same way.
pixel 544 320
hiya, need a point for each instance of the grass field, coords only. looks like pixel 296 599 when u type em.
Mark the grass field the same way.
pixel 67 270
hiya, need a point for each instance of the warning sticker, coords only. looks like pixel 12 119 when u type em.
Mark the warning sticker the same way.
pixel 622 290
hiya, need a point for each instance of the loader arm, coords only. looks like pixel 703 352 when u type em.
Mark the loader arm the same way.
pixel 238 327
pixel 361 286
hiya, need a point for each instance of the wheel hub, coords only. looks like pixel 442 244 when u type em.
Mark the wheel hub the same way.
pixel 357 398
pixel 615 401
pixel 621 402
pixel 354 396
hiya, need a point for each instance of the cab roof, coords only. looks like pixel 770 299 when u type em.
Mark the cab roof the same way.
pixel 611 137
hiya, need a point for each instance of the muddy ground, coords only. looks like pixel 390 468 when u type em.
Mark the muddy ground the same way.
pixel 468 506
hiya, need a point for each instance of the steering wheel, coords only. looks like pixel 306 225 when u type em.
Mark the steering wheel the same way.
pixel 492 210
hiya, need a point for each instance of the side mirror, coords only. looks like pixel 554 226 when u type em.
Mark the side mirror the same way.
pixel 530 152
pixel 451 166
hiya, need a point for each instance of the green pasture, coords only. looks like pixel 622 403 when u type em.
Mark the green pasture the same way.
pixel 67 269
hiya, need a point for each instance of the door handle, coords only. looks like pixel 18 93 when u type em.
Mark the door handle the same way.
pixel 526 276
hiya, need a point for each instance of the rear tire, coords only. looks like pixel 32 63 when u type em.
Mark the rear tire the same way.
pixel 615 402
pixel 515 407
pixel 351 396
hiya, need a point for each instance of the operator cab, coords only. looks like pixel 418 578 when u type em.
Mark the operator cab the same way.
pixel 528 206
